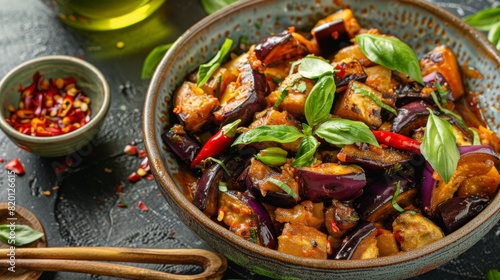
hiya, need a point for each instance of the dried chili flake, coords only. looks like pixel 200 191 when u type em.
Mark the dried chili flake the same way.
pixel 47 107
pixel 130 150
pixel 122 204
pixel 134 177
pixel 150 177
pixel 2 160
pixel 142 206
pixel 399 237
pixel 142 154
pixel 119 188
pixel 334 226
pixel 15 166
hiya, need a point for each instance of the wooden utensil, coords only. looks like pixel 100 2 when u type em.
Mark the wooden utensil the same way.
pixel 31 262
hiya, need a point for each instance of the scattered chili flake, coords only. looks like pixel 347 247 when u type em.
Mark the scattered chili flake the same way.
pixel 119 188
pixel 142 206
pixel 2 160
pixel 142 154
pixel 15 166
pixel 130 150
pixel 334 226
pixel 400 238
pixel 150 177
pixel 46 193
pixel 49 107
pixel 134 177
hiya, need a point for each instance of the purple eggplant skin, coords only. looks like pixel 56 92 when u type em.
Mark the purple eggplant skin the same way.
pixel 428 183
pixel 248 100
pixel 412 116
pixel 267 233
pixel 351 242
pixel 375 203
pixel 354 71
pixel 331 37
pixel 324 183
pixel 279 47
pixel 182 145
pixel 408 92
pixel 458 211
pixel 206 195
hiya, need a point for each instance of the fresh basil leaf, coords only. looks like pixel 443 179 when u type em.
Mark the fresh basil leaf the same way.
pixel 152 60
pixel 447 111
pixel 283 186
pixel 313 67
pixel 442 93
pixel 275 133
pixel 492 274
pixel 23 234
pixel 494 34
pixel 390 53
pixel 320 100
pixel 301 87
pixel 211 6
pixel 341 132
pixel 439 147
pixel 375 99
pixel 484 19
pixel 219 162
pixel 206 70
pixel 476 140
pixel 306 151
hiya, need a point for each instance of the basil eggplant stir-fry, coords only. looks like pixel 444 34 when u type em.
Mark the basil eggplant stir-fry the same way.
pixel 338 143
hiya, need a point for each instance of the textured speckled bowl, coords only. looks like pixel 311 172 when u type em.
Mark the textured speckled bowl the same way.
pixel 419 23
pixel 88 78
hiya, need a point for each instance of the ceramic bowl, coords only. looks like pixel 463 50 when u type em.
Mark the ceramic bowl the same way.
pixel 88 78
pixel 421 24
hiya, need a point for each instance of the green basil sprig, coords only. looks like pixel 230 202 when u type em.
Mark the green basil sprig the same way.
pixel 313 67
pixel 487 20
pixel 306 151
pixel 375 99
pixel 24 235
pixel 283 186
pixel 340 132
pixel 275 133
pixel 320 99
pixel 439 147
pixel 211 6
pixel 390 53
pixel 206 70
pixel 152 60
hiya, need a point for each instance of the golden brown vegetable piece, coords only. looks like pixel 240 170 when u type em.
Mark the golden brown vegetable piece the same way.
pixel 442 59
pixel 413 231
pixel 260 173
pixel 356 106
pixel 193 106
pixel 238 216
pixel 471 171
pixel 380 78
pixel 367 248
pixel 303 241
pixel 353 52
pixel 212 86
pixel 306 213
pixel 371 156
pixel 386 243
pixel 295 98
pixel 351 24
pixel 340 217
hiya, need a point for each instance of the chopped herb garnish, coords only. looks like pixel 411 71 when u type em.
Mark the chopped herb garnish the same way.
pixel 222 186
pixel 395 197
pixel 375 99
pixel 253 233
pixel 219 162
pixel 283 186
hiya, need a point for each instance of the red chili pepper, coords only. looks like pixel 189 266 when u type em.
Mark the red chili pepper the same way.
pixel 334 226
pixel 217 143
pixel 341 72
pixel 400 238
pixel 397 141
pixel 15 166
pixel 134 177
pixel 130 150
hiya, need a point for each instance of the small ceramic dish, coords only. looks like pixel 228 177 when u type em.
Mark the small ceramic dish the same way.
pixel 419 23
pixel 88 79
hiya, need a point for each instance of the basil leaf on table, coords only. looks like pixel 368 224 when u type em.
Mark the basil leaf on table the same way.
pixel 484 19
pixel 206 70
pixel 24 235
pixel 320 100
pixel 152 60
pixel 341 132
pixel 306 151
pixel 439 147
pixel 492 274
pixel 390 53
pixel 275 133
pixel 313 67
pixel 211 6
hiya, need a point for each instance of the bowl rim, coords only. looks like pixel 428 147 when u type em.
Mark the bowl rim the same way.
pixel 99 115
pixel 169 188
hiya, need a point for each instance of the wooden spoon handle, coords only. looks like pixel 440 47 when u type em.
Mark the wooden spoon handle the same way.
pixel 75 259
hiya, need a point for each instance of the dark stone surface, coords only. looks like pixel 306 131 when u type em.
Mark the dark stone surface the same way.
pixel 82 210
